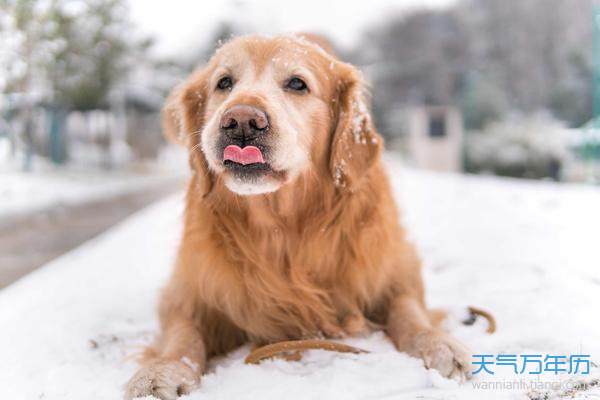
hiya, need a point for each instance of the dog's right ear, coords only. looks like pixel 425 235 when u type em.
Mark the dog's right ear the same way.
pixel 183 121
pixel 183 112
pixel 171 118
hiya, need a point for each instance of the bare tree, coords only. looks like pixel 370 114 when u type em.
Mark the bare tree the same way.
pixel 486 56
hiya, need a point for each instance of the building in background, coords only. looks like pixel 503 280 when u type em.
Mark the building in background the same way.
pixel 436 137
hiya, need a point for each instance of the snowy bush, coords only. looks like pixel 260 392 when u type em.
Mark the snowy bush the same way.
pixel 530 147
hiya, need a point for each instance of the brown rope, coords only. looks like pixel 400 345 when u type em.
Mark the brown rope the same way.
pixel 489 317
pixel 292 350
pixel 295 347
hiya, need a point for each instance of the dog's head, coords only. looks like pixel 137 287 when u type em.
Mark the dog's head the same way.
pixel 264 111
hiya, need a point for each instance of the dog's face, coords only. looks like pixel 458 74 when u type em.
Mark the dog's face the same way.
pixel 263 111
pixel 264 108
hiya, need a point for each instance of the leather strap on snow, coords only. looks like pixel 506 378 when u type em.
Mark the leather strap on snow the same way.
pixel 489 317
pixel 291 350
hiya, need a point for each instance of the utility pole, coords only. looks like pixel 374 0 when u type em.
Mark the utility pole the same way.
pixel 591 146
pixel 596 64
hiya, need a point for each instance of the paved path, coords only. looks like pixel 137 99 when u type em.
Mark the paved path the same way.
pixel 29 242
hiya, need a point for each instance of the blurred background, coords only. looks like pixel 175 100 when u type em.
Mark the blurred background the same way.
pixel 493 87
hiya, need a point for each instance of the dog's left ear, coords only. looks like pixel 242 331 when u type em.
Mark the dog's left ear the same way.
pixel 356 145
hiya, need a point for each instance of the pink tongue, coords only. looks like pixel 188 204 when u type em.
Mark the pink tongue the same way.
pixel 247 155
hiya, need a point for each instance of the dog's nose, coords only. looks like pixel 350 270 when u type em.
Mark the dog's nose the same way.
pixel 244 122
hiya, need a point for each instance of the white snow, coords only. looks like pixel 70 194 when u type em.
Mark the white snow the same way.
pixel 526 251
pixel 23 193
pixel 47 186
pixel 180 25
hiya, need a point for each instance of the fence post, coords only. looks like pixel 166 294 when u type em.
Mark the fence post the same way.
pixel 58 141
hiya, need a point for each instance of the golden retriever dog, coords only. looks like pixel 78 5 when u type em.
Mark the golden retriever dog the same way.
pixel 290 227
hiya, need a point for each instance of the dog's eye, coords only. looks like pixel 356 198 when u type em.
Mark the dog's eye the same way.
pixel 225 83
pixel 296 84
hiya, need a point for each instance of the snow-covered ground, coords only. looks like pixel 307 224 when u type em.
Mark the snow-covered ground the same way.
pixel 526 251
pixel 23 193
pixel 47 186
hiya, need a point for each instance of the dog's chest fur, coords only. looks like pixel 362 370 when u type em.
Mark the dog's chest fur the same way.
pixel 291 293
pixel 300 276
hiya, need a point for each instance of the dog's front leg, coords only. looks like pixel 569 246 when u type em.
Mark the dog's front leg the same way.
pixel 412 331
pixel 176 362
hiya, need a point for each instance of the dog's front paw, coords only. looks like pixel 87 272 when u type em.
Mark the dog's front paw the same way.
pixel 165 380
pixel 445 354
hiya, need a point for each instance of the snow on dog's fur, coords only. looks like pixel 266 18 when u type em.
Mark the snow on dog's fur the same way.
pixel 308 246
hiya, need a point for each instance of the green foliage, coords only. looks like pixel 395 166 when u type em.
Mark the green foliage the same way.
pixel 571 100
pixel 77 50
pixel 94 55
pixel 483 102
pixel 521 147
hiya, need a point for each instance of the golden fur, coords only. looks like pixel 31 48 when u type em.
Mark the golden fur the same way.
pixel 323 255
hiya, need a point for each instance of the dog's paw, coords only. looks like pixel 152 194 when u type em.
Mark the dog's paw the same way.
pixel 165 380
pixel 445 354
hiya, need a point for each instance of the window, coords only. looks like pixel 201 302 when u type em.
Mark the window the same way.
pixel 437 125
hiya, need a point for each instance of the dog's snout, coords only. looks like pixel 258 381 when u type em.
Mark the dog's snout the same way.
pixel 243 121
